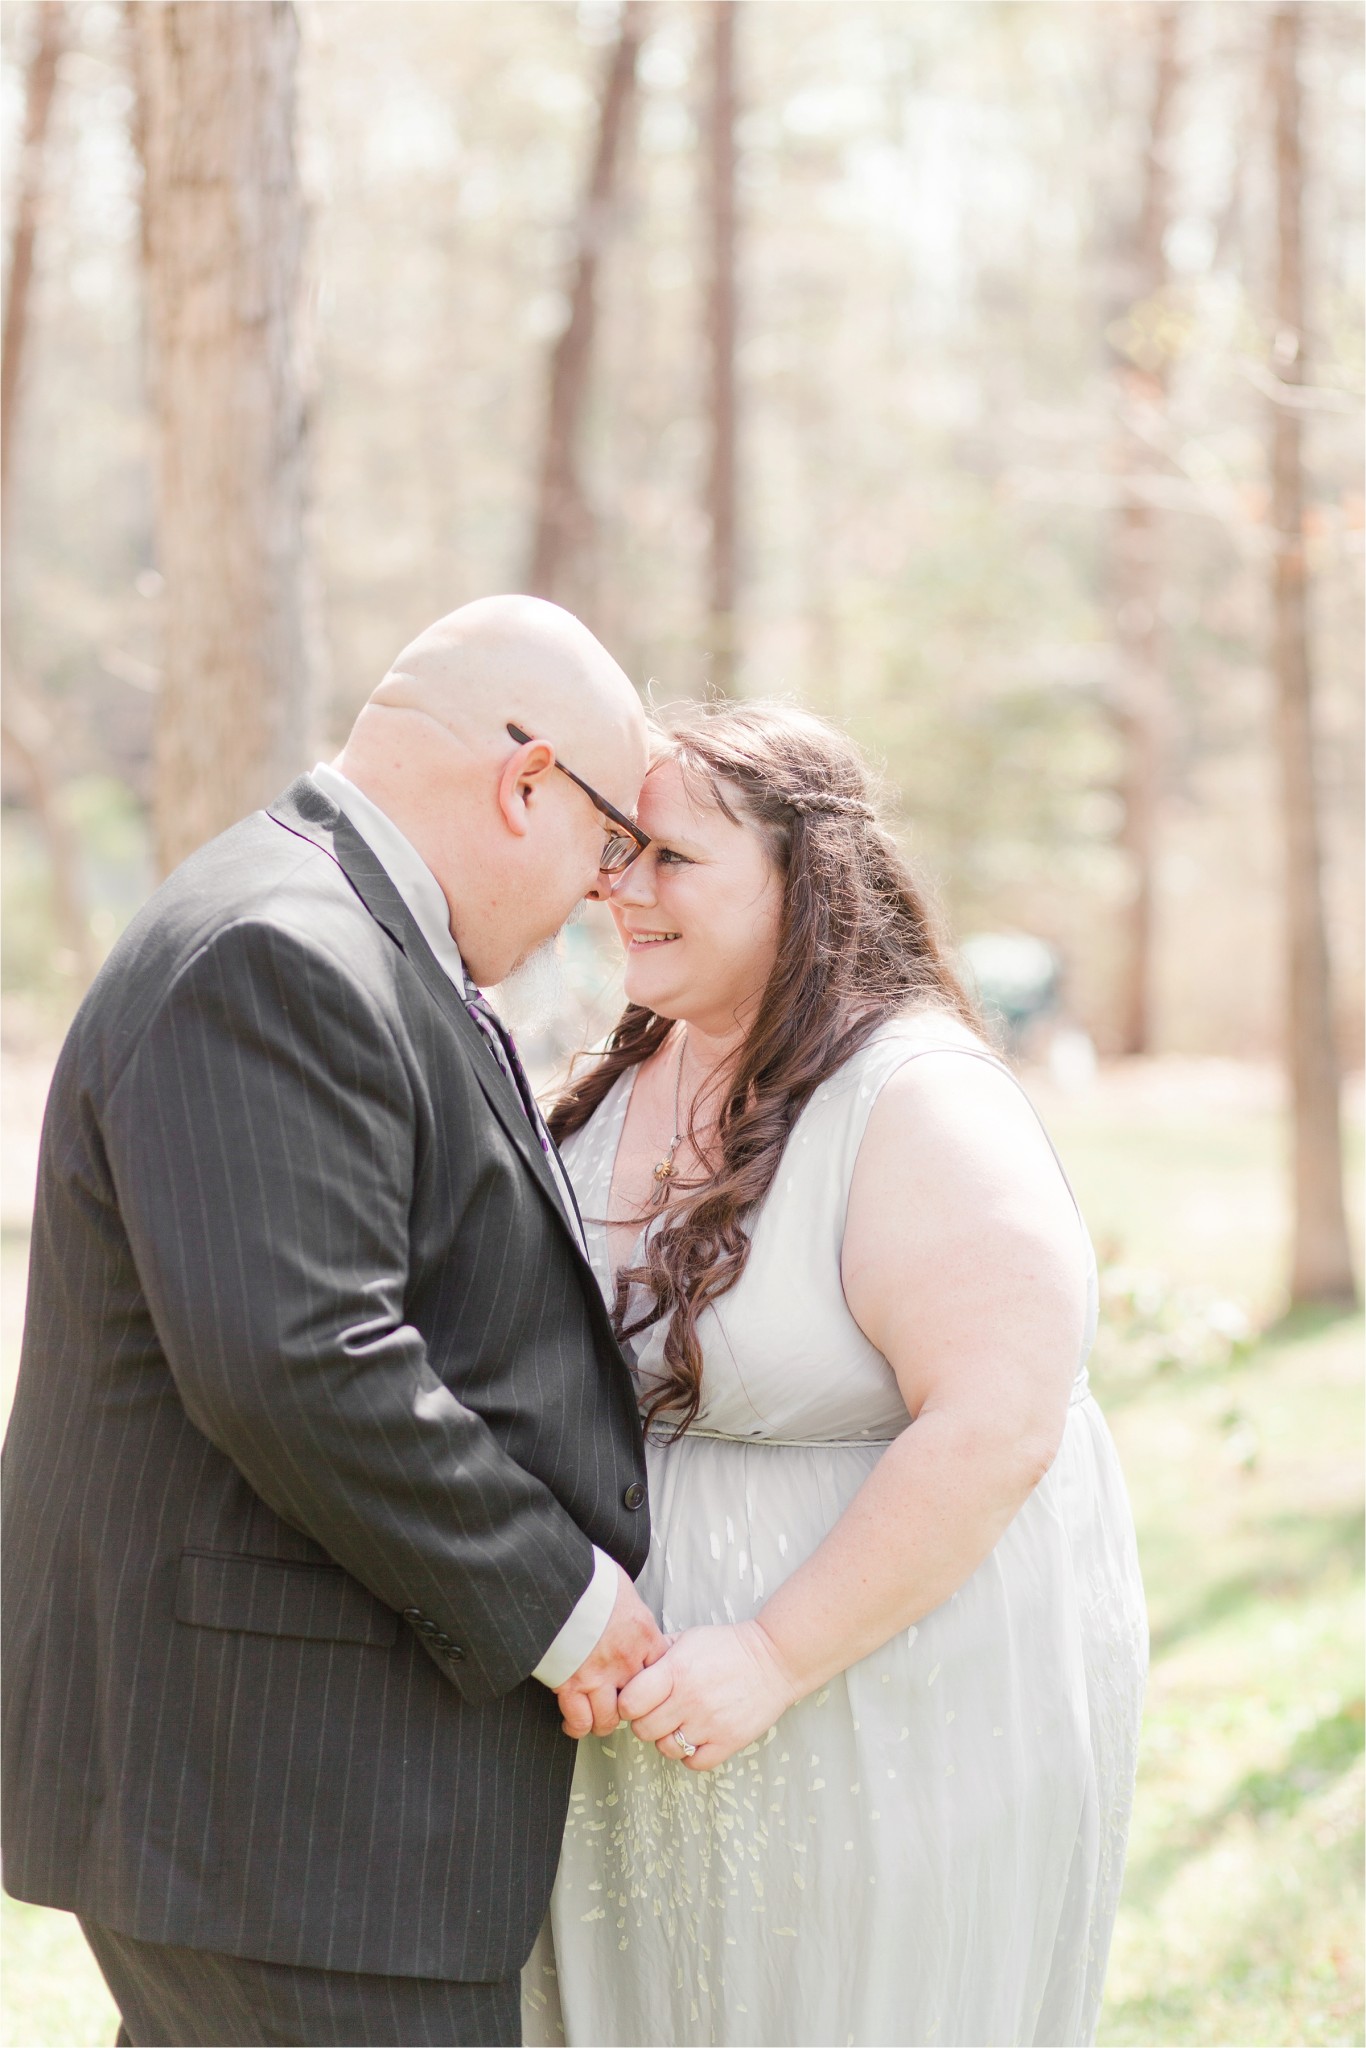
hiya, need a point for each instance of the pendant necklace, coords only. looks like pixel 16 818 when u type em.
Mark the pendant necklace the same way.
pixel 665 1167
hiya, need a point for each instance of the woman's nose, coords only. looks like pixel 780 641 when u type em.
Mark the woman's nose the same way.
pixel 607 888
pixel 634 885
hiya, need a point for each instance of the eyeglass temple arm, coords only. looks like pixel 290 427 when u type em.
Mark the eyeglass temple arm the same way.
pixel 642 839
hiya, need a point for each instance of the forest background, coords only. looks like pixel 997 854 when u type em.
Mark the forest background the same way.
pixel 927 363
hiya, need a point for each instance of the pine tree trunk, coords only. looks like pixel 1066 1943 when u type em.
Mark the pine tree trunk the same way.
pixel 721 331
pixel 564 521
pixel 1321 1264
pixel 27 728
pixel 1138 577
pixel 41 84
pixel 223 241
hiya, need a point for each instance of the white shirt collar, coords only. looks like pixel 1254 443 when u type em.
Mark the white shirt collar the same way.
pixel 404 866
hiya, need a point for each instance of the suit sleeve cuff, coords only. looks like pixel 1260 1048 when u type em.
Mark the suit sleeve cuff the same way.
pixel 581 1634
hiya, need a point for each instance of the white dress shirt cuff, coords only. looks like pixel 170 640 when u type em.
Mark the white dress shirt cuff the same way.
pixel 581 1634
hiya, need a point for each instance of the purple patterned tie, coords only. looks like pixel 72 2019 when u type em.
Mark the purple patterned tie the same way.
pixel 500 1043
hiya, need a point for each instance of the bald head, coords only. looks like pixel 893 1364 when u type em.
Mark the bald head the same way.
pixel 514 659
pixel 431 747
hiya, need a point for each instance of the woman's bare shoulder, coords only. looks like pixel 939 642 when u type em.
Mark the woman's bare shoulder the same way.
pixel 960 1133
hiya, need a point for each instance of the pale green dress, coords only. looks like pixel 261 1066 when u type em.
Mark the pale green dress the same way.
pixel 930 1848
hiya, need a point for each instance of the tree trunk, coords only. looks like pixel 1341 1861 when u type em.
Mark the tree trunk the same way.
pixel 27 728
pixel 41 84
pixel 721 328
pixel 564 522
pixel 223 243
pixel 1138 571
pixel 1321 1262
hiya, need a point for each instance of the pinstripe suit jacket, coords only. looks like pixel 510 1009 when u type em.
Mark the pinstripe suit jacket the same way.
pixel 319 1414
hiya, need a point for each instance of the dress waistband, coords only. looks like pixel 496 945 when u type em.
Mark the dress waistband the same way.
pixel 1081 1388
pixel 797 1443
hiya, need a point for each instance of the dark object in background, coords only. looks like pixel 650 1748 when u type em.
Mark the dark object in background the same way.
pixel 1018 981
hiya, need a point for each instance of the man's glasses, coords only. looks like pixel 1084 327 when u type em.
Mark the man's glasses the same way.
pixel 621 846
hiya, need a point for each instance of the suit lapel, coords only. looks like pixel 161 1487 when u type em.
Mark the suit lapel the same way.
pixel 304 810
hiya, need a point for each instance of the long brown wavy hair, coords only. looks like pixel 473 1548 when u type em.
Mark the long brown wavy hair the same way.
pixel 858 942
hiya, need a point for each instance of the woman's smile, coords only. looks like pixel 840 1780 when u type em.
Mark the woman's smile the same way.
pixel 718 873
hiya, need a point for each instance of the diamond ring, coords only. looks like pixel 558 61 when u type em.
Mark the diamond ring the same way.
pixel 685 1747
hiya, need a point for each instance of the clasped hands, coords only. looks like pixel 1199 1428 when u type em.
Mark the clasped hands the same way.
pixel 722 1687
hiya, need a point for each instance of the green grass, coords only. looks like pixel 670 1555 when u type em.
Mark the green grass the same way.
pixel 53 1995
pixel 1241 1919
pixel 1242 1912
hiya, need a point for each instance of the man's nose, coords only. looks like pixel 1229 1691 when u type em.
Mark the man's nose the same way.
pixel 603 889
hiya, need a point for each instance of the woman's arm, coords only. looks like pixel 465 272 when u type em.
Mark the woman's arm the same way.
pixel 963 1263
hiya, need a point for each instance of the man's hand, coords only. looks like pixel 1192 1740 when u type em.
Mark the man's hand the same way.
pixel 631 1640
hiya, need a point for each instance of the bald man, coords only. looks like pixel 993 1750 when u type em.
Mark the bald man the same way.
pixel 324 1485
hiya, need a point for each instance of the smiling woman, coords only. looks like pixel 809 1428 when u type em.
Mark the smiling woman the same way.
pixel 877 1788
pixel 769 928
pixel 708 890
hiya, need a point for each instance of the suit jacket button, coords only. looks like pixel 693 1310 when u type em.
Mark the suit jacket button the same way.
pixel 442 1640
pixel 429 1628
pixel 634 1496
pixel 455 1653
pixel 412 1614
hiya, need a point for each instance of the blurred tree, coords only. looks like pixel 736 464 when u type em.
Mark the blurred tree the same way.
pixel 1321 1260
pixel 1138 568
pixel 564 519
pixel 721 322
pixel 223 241
pixel 40 85
pixel 28 729
pixel 930 461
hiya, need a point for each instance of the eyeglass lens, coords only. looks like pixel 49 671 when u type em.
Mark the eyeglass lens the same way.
pixel 617 853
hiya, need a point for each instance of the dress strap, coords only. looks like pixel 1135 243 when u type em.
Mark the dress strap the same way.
pixel 991 1059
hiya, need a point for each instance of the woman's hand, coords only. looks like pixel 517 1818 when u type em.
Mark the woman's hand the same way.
pixel 723 1687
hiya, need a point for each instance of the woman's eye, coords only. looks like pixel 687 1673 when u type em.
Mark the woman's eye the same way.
pixel 672 859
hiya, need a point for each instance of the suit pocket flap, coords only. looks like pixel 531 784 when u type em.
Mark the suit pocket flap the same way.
pixel 266 1596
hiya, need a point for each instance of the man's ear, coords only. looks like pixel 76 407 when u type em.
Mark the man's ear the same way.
pixel 523 780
